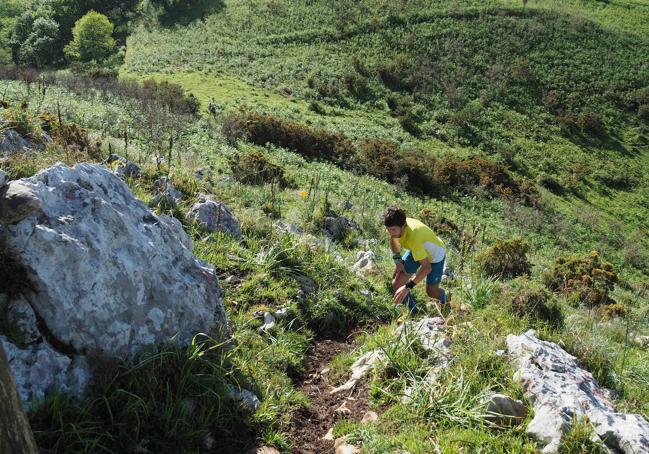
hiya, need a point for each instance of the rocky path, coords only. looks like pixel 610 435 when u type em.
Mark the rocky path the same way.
pixel 310 425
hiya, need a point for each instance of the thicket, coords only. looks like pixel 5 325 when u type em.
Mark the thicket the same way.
pixel 587 279
pixel 43 30
pixel 254 167
pixel 413 169
pixel 506 259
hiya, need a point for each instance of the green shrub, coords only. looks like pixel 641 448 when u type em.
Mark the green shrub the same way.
pixel 254 167
pixel 587 279
pixel 309 142
pixel 532 300
pixel 384 160
pixel 506 259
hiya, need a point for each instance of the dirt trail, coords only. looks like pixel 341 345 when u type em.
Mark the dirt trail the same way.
pixel 308 426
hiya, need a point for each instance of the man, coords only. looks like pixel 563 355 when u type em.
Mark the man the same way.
pixel 424 256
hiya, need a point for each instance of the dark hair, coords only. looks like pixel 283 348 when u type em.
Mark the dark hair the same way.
pixel 394 217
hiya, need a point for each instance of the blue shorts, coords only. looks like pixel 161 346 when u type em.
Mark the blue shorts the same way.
pixel 435 275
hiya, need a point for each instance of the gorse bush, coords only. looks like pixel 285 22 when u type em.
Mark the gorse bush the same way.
pixel 586 279
pixel 254 167
pixel 506 259
pixel 411 168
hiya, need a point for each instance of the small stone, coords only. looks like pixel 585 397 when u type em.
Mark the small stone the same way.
pixel 365 262
pixel 329 436
pixel 246 398
pixel 325 371
pixel 263 450
pixel 369 416
pixel 269 323
pixel 282 313
pixel 232 280
pixel 502 410
pixel 213 215
pixel 343 410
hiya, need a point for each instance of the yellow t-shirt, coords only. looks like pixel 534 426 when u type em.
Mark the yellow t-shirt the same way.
pixel 421 241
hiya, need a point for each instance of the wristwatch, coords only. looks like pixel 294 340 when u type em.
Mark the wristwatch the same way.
pixel 410 284
pixel 396 257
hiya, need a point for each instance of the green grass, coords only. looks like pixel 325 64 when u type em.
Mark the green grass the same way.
pixel 319 63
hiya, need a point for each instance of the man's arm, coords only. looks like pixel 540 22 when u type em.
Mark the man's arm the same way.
pixel 396 255
pixel 424 268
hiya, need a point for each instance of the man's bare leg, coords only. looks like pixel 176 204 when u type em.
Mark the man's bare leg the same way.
pixel 400 280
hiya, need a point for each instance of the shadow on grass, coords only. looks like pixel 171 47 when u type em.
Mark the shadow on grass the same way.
pixel 185 12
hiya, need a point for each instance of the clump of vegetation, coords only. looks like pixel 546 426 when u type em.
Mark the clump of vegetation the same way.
pixel 535 302
pixel 174 397
pixel 92 39
pixel 506 258
pixel 310 142
pixel 254 167
pixel 614 310
pixel 586 279
pixel 411 168
pixel 580 439
pixel 68 134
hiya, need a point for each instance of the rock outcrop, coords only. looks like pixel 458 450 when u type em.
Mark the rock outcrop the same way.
pixel 561 391
pixel 365 263
pixel 106 276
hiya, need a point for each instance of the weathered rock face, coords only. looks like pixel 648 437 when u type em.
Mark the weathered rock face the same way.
pixel 560 390
pixel 107 275
pixel 167 192
pixel 213 216
pixel 3 178
pixel 12 142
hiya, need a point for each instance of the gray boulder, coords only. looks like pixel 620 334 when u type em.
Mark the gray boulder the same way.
pixel 338 227
pixel 213 215
pixel 561 390
pixel 3 178
pixel 107 276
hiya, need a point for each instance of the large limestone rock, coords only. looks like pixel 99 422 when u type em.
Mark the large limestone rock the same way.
pixel 107 276
pixel 15 434
pixel 213 215
pixel 560 390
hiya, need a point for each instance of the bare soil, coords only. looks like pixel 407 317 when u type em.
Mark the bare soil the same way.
pixel 309 425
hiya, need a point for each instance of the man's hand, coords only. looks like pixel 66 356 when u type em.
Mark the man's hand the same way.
pixel 400 295
pixel 398 269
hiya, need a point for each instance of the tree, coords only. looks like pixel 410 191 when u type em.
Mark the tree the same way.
pixel 34 36
pixel 92 39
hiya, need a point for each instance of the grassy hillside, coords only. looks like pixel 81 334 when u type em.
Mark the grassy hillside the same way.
pixel 551 93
